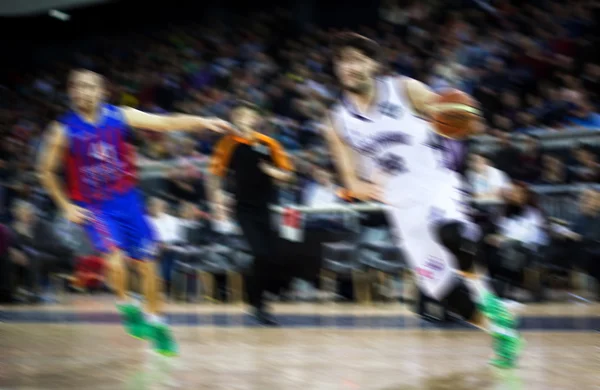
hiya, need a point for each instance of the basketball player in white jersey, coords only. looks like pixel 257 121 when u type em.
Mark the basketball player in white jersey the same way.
pixel 381 142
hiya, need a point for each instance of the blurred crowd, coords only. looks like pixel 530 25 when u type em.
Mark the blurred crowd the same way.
pixel 530 162
pixel 531 65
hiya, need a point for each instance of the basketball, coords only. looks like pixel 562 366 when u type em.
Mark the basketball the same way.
pixel 455 114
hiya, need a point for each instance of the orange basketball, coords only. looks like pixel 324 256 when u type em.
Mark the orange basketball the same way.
pixel 455 114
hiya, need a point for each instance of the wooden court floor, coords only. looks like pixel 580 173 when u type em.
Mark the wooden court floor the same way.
pixel 81 345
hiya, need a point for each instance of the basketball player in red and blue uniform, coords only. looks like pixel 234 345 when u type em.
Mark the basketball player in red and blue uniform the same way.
pixel 90 143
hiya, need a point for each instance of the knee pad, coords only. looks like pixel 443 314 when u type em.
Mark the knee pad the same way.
pixel 452 236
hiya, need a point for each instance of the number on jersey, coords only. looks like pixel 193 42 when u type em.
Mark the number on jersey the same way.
pixel 392 164
pixel 102 151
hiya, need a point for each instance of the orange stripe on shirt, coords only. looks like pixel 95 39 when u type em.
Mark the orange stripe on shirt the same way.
pixel 278 154
pixel 221 156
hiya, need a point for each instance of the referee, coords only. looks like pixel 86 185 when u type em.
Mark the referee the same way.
pixel 253 161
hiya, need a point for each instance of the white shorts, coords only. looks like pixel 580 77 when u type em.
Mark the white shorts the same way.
pixel 413 227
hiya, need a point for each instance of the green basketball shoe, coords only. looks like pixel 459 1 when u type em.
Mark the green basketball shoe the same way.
pixel 163 341
pixel 133 319
pixel 507 341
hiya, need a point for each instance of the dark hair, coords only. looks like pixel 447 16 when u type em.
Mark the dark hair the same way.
pixel 532 199
pixel 349 39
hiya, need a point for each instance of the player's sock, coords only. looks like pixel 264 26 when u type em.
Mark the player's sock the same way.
pixel 133 318
pixel 127 301
pixel 161 336
pixel 155 319
pixel 477 286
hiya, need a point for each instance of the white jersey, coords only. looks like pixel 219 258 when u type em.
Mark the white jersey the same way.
pixel 400 151
pixel 395 147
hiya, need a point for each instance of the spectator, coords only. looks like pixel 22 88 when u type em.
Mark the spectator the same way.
pixel 487 182
pixel 506 155
pixel 585 116
pixel 320 192
pixel 185 183
pixel 196 229
pixel 518 235
pixel 586 169
pixel 578 247
pixel 35 249
pixel 286 132
pixel 510 105
pixel 554 170
pixel 529 161
pixel 591 81
pixel 526 122
pixel 169 236
pixel 228 224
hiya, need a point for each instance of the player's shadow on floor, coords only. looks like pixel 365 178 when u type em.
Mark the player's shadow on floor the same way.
pixel 488 378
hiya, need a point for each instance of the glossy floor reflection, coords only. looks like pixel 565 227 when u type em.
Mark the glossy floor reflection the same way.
pixel 76 355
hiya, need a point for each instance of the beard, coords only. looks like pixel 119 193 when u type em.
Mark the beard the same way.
pixel 86 106
pixel 360 88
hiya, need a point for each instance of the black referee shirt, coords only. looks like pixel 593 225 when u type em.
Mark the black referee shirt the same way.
pixel 241 158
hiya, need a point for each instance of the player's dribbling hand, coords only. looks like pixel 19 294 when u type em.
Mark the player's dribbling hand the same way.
pixel 368 192
pixel 77 214
pixel 375 193
pixel 219 126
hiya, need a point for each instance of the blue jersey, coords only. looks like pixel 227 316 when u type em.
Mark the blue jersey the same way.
pixel 98 159
pixel 101 178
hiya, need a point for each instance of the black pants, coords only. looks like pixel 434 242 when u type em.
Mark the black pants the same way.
pixel 256 226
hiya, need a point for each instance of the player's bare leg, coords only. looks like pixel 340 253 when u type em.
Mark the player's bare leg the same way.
pixel 479 321
pixel 118 274
pixel 157 329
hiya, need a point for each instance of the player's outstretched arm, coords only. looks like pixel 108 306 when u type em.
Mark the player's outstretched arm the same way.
pixel 276 173
pixel 173 122
pixel 420 95
pixel 424 100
